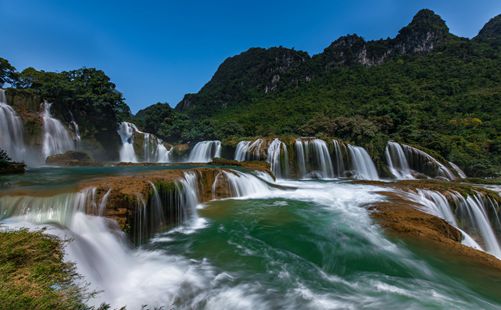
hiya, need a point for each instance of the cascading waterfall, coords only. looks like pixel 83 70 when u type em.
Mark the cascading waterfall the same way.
pixel 11 130
pixel 339 155
pixel 126 131
pixel 76 130
pixel 424 163
pixel 278 158
pixel 362 165
pixel 397 161
pixel 474 215
pixel 245 185
pixel 154 150
pixel 53 209
pixel 247 150
pixel 313 159
pixel 205 151
pixel 241 150
pixel 56 139
pixel 458 170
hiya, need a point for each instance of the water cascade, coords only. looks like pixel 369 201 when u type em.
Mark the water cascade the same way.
pixel 423 162
pixel 244 184
pixel 476 216
pixel 126 131
pixel 56 139
pixel 362 165
pixel 247 150
pixel 339 155
pixel 76 131
pixel 458 170
pixel 278 158
pixel 397 161
pixel 313 159
pixel 205 151
pixel 11 130
pixel 154 151
pixel 242 150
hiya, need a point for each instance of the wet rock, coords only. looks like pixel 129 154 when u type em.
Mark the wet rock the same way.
pixel 70 158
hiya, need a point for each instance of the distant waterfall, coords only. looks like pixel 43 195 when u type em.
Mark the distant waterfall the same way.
pixel 247 150
pixel 458 170
pixel 476 216
pixel 313 159
pixel 154 150
pixel 278 158
pixel 205 151
pixel 126 131
pixel 11 130
pixel 242 150
pixel 424 163
pixel 397 161
pixel 56 139
pixel 362 165
pixel 339 155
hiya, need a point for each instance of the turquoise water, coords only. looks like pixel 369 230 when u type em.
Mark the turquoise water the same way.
pixel 314 249
pixel 306 245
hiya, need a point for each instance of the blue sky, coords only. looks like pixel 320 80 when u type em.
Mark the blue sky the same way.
pixel 159 50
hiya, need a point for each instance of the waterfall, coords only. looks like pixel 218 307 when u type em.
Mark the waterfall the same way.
pixel 11 130
pixel 244 184
pixel 397 161
pixel 242 150
pixel 313 158
pixel 58 209
pixel 56 139
pixel 301 157
pixel 154 151
pixel 205 151
pixel 76 130
pixel 108 266
pixel 458 170
pixel 126 131
pixel 276 151
pixel 423 162
pixel 362 165
pixel 247 150
pixel 474 215
pixel 339 151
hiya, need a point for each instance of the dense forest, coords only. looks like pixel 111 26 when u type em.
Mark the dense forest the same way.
pixel 425 87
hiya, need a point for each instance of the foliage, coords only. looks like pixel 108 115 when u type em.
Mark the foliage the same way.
pixel 446 100
pixel 8 73
pixel 33 274
pixel 153 117
pixel 4 157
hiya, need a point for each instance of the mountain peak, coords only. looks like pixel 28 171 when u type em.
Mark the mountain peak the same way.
pixel 423 34
pixel 491 31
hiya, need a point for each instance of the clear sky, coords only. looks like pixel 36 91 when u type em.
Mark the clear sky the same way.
pixel 156 51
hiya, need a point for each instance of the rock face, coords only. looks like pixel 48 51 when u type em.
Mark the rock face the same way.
pixel 259 72
pixel 491 32
pixel 143 204
pixel 70 158
pixel 426 32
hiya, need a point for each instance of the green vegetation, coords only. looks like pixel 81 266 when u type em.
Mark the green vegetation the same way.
pixel 86 96
pixel 33 274
pixel 441 94
pixel 425 87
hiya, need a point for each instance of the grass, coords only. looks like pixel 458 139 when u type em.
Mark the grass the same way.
pixel 33 274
